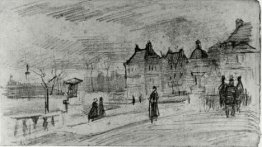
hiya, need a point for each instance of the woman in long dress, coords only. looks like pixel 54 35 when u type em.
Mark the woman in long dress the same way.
pixel 101 107
pixel 94 111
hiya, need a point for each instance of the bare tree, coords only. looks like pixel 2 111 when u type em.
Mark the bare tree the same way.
pixel 47 82
pixel 90 66
pixel 107 67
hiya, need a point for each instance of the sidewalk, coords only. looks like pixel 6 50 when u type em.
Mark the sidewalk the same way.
pixel 117 118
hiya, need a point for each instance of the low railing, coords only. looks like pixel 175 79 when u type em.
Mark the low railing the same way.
pixel 33 123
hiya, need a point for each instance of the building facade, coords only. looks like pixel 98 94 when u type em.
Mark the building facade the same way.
pixel 174 73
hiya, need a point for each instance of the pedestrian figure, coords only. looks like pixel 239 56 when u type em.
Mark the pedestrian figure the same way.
pixel 101 107
pixel 93 111
pixel 140 98
pixel 240 94
pixel 230 97
pixel 53 120
pixel 133 100
pixel 153 105
pixel 222 92
pixel 45 123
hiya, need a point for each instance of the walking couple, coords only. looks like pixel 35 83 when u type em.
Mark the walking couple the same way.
pixel 97 110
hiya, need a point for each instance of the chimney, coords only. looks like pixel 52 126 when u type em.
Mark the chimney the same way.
pixel 169 50
pixel 136 48
pixel 149 47
pixel 181 51
pixel 198 45
pixel 239 23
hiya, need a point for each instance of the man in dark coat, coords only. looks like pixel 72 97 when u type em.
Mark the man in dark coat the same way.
pixel 93 111
pixel 153 105
pixel 222 92
pixel 240 93
pixel 133 100
pixel 230 97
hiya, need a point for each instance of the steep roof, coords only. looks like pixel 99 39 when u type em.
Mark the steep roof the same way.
pixel 142 54
pixel 173 57
pixel 137 56
pixel 241 34
pixel 238 40
pixel 244 48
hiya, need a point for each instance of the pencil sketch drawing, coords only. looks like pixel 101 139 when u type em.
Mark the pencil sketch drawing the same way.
pixel 122 72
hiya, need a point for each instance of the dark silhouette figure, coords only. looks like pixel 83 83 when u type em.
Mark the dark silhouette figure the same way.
pixel 133 100
pixel 230 97
pixel 153 105
pixel 101 107
pixel 240 94
pixel 140 98
pixel 222 92
pixel 94 111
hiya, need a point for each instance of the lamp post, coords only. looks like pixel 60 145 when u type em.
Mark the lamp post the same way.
pixel 27 73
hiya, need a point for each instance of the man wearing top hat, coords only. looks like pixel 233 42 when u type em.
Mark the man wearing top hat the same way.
pixel 222 92
pixel 153 105
pixel 230 97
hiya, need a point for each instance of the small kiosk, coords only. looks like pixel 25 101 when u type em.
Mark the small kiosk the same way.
pixel 72 90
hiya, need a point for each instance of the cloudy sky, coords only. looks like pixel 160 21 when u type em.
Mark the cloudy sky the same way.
pixel 39 32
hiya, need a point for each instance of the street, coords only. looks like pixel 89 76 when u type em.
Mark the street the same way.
pixel 177 125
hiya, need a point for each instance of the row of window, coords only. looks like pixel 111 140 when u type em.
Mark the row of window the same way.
pixel 131 69
pixel 175 66
pixel 152 68
pixel 181 74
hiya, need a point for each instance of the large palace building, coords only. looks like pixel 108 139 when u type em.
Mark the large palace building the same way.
pixel 175 74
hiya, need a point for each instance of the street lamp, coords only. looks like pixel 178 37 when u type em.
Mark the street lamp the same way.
pixel 27 80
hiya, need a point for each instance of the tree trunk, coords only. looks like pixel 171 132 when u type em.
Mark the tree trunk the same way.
pixel 92 80
pixel 107 79
pixel 47 100
pixel 172 88
pixel 52 89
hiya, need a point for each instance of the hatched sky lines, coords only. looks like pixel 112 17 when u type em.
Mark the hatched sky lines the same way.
pixel 72 31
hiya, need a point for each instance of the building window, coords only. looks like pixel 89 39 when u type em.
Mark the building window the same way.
pixel 174 76
pixel 171 67
pixel 170 78
pixel 155 68
pixel 181 74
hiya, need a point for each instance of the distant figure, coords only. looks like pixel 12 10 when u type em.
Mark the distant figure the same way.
pixel 222 92
pixel 133 100
pixel 230 97
pixel 245 98
pixel 101 107
pixel 94 111
pixel 153 105
pixel 240 94
pixel 140 98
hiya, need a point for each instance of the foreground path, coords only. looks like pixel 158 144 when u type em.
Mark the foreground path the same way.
pixel 180 127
